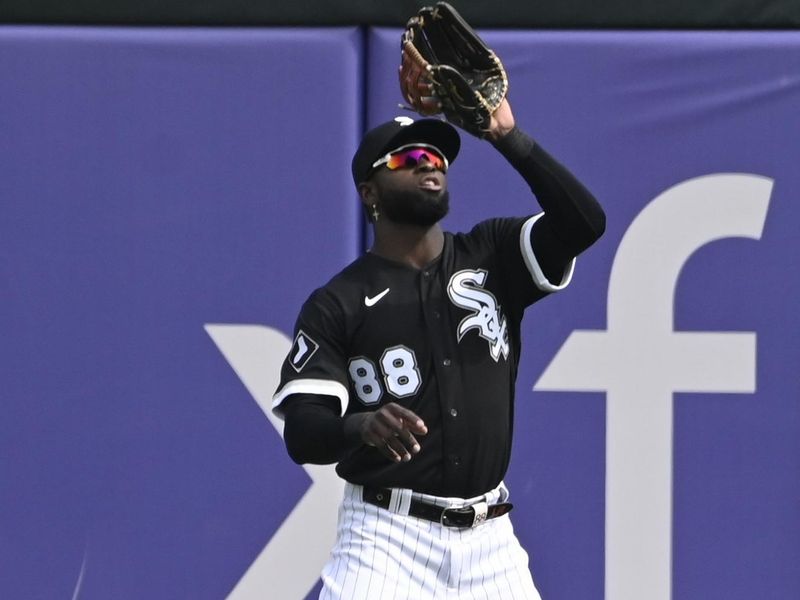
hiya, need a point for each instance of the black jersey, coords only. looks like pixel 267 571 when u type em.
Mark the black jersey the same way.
pixel 444 341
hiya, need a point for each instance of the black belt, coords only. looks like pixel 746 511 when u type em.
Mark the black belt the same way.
pixel 449 517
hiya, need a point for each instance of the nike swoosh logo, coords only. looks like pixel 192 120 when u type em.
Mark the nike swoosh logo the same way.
pixel 375 299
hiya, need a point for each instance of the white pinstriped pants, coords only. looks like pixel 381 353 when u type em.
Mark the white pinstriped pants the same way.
pixel 384 554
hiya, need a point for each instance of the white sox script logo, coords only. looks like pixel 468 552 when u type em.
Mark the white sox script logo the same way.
pixel 466 290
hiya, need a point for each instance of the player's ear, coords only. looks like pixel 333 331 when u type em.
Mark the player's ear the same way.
pixel 368 193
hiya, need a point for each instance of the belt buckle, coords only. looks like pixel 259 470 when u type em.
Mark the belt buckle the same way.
pixel 478 511
pixel 459 511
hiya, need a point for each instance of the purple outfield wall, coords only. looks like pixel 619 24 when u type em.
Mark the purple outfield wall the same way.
pixel 169 197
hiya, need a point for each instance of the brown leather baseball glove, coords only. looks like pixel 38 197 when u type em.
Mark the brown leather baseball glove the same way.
pixel 446 68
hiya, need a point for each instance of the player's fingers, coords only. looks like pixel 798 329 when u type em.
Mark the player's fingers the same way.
pixel 389 451
pixel 393 448
pixel 377 433
pixel 406 419
pixel 389 419
pixel 410 442
pixel 415 425
pixel 386 433
pixel 383 428
pixel 404 441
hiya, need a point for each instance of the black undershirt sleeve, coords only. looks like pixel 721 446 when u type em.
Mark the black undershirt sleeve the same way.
pixel 573 219
pixel 315 432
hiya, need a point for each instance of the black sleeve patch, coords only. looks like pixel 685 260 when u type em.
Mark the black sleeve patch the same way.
pixel 302 351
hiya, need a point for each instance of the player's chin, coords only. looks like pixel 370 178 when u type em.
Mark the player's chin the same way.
pixel 436 208
pixel 434 196
pixel 416 207
pixel 436 202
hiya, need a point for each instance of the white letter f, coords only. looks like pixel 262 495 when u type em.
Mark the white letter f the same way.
pixel 640 361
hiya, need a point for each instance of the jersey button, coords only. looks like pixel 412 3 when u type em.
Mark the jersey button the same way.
pixel 426 273
pixel 456 460
pixel 446 362
pixel 453 413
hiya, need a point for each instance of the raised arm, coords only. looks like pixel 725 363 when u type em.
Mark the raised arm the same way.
pixel 573 219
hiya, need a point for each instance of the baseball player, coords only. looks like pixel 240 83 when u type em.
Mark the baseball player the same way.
pixel 403 367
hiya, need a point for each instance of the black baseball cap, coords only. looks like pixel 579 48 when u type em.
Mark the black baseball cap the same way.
pixel 398 132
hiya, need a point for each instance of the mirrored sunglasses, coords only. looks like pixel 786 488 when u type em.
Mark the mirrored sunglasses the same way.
pixel 410 155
